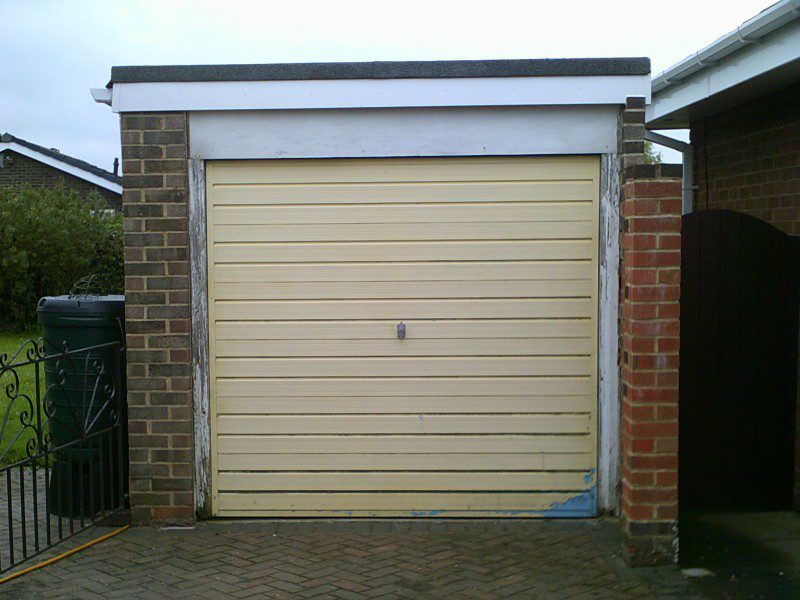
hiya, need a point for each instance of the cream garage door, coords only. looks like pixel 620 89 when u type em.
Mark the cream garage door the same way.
pixel 486 408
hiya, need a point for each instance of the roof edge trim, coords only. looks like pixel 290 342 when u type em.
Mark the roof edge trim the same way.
pixel 441 69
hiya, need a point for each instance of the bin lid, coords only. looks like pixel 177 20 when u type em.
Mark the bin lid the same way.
pixel 83 304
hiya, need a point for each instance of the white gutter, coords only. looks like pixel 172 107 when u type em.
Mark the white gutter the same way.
pixel 749 32
pixel 687 177
pixel 101 95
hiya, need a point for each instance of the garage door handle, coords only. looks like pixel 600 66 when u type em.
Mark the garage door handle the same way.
pixel 401 330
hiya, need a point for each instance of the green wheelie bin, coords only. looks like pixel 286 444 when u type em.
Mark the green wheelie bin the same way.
pixel 86 402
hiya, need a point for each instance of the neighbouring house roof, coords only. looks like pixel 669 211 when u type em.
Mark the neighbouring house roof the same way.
pixel 438 69
pixel 67 164
pixel 760 56
pixel 362 85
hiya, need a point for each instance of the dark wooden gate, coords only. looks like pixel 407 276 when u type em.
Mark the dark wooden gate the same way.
pixel 738 375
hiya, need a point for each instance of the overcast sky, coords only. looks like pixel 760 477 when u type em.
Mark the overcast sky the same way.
pixel 52 52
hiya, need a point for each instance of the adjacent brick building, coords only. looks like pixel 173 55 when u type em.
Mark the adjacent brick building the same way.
pixel 747 159
pixel 739 97
pixel 25 163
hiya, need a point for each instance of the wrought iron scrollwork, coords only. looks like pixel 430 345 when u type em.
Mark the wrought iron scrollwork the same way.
pixel 82 395
pixel 62 438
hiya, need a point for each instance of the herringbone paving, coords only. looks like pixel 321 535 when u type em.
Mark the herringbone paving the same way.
pixel 305 560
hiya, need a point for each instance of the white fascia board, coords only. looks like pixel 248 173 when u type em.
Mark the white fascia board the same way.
pixel 61 166
pixel 376 93
pixel 348 133
pixel 772 52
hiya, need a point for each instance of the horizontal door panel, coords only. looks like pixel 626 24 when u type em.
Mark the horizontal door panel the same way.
pixel 403 367
pixel 404 462
pixel 401 251
pixel 407 347
pixel 398 272
pixel 396 213
pixel 411 170
pixel 401 424
pixel 409 289
pixel 340 387
pixel 403 444
pixel 347 232
pixel 416 330
pixel 402 482
pixel 507 504
pixel 411 192
pixel 327 310
pixel 270 405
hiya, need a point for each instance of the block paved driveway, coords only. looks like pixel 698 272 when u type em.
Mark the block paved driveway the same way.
pixel 269 559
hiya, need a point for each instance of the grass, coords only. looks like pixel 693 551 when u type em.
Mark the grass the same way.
pixel 9 344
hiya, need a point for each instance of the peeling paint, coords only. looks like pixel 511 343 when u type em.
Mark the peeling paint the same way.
pixel 608 335
pixel 201 400
pixel 589 477
pixel 582 505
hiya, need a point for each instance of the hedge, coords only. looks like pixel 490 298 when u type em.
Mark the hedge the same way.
pixel 50 239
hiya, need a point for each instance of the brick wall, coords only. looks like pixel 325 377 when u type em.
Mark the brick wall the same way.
pixel 747 158
pixel 650 214
pixel 155 197
pixel 22 169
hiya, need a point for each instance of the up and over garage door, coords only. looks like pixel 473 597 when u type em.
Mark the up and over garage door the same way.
pixel 487 407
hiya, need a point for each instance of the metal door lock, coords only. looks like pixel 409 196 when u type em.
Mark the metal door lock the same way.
pixel 401 330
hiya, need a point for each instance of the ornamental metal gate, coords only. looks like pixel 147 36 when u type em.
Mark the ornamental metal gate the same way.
pixel 63 443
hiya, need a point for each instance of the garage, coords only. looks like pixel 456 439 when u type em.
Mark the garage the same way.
pixel 405 290
pixel 403 337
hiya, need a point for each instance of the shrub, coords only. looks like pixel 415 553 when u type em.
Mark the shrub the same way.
pixel 49 239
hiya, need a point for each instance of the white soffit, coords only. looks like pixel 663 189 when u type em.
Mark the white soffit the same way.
pixel 61 166
pixel 377 93
pixel 466 131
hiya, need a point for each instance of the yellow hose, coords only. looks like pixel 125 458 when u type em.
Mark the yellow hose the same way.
pixel 50 561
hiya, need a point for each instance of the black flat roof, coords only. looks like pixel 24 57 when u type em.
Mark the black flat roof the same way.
pixel 436 69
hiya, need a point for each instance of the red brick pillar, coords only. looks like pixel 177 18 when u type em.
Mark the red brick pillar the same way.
pixel 650 339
